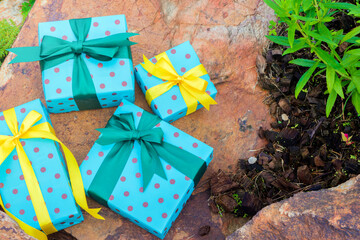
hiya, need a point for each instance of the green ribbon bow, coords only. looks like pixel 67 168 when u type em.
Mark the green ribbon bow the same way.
pixel 121 132
pixel 54 51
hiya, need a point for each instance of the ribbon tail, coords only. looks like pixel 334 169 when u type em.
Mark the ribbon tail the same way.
pixel 25 54
pixel 190 100
pixel 157 91
pixel 200 96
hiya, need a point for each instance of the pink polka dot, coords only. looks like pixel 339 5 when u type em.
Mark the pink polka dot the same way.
pixel 173 51
pixel 56 210
pixel 68 79
pixel 126 194
pixel 173 97
pixel 101 154
pixel 107 33
pixel 8 171
pixel 112 74
pixel 52 29
pixel 172 181
pixel 141 189
pixel 36 149
pixel 22 212
pixel 149 74
pixel 157 125
pixel 71 223
pixel 28 197
pixel 111 197
pixel 47 81
pixel 92 76
pixel 2 118
pixel 86 158
pixel 58 90
pixel 183 69
pixel 23 143
pixel 146 88
pixel 7 205
pixel 208 92
pixel 87 56
pixel 160 200
pixel 176 134
pixel 164 215
pixel 89 172
pixel 71 216
pixel 169 111
pixel 195 145
pixel 23 110
pixel 117 22
pixel 187 178
pixel 43 169
pixel 155 106
pixel 103 99
pixel 95 24
pixel 56 70
pixel 154 60
pixel 138 175
pixel 176 196
pixel 70 99
pixel 100 65
pixel 57 175
pixel 1 185
pixel 149 219
pixel 50 155
pixel 138 114
pixel 130 208
pixel 64 196
pixel 21 177
pixel 121 104
pixel 15 157
pixel 122 62
pixel 134 160
pixel 15 191
pixel 102 86
pixel 157 185
pixel 123 179
pixel 168 167
pixel 35 219
pixel 145 204
pixel 64 37
pixel 50 190
pixel 187 56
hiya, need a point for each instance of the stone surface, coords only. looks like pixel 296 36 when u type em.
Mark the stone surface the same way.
pixel 9 229
pixel 227 35
pixel 326 214
pixel 11 9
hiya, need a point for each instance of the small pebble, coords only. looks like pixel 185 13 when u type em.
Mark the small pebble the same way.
pixel 284 117
pixel 252 160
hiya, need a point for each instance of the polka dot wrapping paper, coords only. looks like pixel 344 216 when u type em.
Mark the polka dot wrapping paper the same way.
pixel 49 167
pixel 171 106
pixel 113 80
pixel 155 208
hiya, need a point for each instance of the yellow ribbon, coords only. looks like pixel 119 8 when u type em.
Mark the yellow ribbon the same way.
pixel 191 86
pixel 28 129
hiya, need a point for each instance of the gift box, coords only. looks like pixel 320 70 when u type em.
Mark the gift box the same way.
pixel 179 98
pixel 149 191
pixel 86 63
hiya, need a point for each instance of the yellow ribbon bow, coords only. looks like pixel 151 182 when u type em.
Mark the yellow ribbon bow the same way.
pixel 191 86
pixel 28 129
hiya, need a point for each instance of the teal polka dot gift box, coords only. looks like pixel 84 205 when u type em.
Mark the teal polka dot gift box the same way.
pixel 175 83
pixel 143 168
pixel 86 63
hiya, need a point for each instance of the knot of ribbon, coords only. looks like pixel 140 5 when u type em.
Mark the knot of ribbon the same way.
pixel 121 132
pixel 192 87
pixel 29 129
pixel 54 51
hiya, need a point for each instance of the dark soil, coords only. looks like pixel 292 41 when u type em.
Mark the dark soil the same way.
pixel 305 150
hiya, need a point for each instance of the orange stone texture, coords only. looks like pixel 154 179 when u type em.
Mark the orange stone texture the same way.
pixel 227 35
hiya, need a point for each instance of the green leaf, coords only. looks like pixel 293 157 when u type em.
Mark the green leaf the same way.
pixel 354 52
pixel 279 40
pixel 321 37
pixel 306 4
pixel 330 78
pixel 298 44
pixel 304 79
pixel 350 87
pixel 306 62
pixel 355 79
pixel 337 87
pixel 351 34
pixel 291 34
pixel 350 60
pixel 330 102
pixel 278 10
pixel 355 99
pixel 330 60
pixel 339 5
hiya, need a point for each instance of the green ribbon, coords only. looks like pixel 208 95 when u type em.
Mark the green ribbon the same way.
pixel 121 132
pixel 54 51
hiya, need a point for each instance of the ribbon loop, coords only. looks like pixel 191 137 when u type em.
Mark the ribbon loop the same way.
pixel 77 47
pixel 135 135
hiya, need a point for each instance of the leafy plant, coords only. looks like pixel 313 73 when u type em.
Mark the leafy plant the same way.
pixel 26 7
pixel 8 32
pixel 272 28
pixel 306 21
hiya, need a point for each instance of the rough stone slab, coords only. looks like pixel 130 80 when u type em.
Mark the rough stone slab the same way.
pixel 11 9
pixel 227 35
pixel 326 214
pixel 9 229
